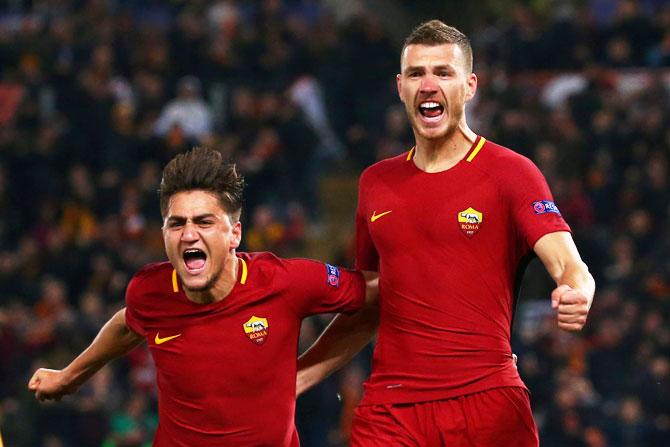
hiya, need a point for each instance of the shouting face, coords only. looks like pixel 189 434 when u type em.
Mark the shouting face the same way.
pixel 200 239
pixel 434 84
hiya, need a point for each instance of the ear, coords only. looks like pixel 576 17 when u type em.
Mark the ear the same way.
pixel 471 87
pixel 398 82
pixel 237 235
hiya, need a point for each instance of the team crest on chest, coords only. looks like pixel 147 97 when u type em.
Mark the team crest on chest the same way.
pixel 470 220
pixel 257 329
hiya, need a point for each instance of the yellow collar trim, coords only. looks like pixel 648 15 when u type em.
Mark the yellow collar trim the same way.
pixel 243 277
pixel 410 154
pixel 478 148
pixel 175 284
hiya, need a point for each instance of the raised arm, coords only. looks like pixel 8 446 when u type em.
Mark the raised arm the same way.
pixel 573 295
pixel 114 340
pixel 344 337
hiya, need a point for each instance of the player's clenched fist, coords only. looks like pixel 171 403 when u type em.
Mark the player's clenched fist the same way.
pixel 49 384
pixel 572 306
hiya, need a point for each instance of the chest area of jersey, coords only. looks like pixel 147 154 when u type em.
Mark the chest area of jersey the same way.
pixel 444 215
pixel 228 337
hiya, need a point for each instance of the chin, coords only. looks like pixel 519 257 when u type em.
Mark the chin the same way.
pixel 197 287
pixel 194 283
pixel 433 134
pixel 437 133
pixel 201 282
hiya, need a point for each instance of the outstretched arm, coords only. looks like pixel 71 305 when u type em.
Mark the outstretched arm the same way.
pixel 573 295
pixel 114 340
pixel 344 337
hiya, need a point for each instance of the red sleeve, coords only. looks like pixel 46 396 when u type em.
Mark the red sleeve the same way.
pixel 534 212
pixel 133 293
pixel 367 257
pixel 314 287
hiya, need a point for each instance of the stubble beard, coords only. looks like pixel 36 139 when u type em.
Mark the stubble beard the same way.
pixel 209 284
pixel 420 130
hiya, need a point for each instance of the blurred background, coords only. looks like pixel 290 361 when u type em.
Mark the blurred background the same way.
pixel 97 95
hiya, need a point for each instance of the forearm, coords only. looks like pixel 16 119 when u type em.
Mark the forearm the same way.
pixel 575 287
pixel 344 337
pixel 563 262
pixel 576 275
pixel 114 340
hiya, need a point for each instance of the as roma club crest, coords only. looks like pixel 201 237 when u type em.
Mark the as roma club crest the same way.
pixel 470 221
pixel 257 329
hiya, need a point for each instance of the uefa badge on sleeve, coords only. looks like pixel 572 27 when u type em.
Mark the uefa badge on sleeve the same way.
pixel 545 206
pixel 257 329
pixel 333 276
pixel 470 220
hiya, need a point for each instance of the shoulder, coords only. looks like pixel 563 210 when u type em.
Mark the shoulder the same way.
pixel 266 270
pixel 504 164
pixel 152 277
pixel 384 168
pixel 266 262
pixel 498 155
pixel 153 271
pixel 259 259
pixel 260 267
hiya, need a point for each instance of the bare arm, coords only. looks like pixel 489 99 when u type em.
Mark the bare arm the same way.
pixel 573 296
pixel 114 340
pixel 344 337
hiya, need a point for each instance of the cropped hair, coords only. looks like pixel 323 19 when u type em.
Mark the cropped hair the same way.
pixel 436 32
pixel 203 169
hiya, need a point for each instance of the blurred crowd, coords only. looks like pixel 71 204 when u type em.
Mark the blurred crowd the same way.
pixel 96 95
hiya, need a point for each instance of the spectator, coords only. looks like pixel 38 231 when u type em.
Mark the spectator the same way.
pixel 188 111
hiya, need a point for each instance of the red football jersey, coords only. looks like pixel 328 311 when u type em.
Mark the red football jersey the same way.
pixel 450 248
pixel 226 371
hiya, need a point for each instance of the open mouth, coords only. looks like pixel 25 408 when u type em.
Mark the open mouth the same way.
pixel 194 260
pixel 431 110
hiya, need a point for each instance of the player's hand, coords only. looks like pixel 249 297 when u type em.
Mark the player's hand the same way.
pixel 49 384
pixel 572 306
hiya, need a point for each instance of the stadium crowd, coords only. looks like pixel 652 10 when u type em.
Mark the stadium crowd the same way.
pixel 95 97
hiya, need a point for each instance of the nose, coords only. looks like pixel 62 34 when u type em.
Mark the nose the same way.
pixel 189 233
pixel 428 84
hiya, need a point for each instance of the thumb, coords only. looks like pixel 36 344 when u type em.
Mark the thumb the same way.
pixel 557 293
pixel 34 382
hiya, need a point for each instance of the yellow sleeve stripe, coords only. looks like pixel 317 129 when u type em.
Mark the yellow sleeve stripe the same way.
pixel 175 284
pixel 410 154
pixel 243 278
pixel 478 148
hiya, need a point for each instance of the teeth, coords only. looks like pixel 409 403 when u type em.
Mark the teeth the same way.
pixel 429 105
pixel 192 250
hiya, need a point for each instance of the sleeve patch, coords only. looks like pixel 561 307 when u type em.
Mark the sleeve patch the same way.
pixel 545 206
pixel 333 276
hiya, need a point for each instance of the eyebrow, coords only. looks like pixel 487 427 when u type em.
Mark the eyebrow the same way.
pixel 196 219
pixel 434 67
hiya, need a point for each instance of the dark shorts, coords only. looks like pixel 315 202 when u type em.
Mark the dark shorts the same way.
pixel 499 417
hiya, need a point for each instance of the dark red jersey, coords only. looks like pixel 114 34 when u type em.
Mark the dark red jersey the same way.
pixel 226 371
pixel 450 248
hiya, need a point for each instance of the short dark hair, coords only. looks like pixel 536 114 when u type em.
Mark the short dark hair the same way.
pixel 203 169
pixel 436 32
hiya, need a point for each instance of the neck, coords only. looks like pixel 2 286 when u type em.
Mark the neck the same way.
pixel 221 288
pixel 440 154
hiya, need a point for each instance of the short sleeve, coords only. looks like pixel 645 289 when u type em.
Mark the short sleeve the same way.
pixel 367 257
pixel 314 287
pixel 534 212
pixel 132 298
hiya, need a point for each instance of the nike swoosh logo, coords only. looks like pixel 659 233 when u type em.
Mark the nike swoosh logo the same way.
pixel 160 341
pixel 377 216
